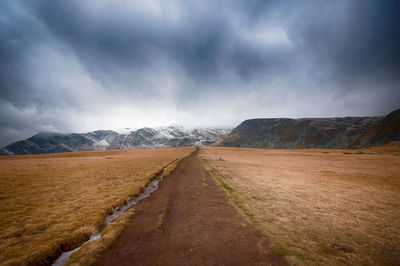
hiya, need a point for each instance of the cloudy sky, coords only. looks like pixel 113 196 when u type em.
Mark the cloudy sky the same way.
pixel 75 66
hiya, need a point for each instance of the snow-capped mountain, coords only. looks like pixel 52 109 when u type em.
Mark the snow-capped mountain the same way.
pixel 127 138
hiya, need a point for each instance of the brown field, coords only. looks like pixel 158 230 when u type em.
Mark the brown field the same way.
pixel 49 201
pixel 324 207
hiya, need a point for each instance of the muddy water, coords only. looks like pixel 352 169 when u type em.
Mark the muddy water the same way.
pixel 65 255
pixel 150 188
pixel 116 212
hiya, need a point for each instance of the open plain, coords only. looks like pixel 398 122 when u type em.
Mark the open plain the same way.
pixel 54 202
pixel 324 207
pixel 302 206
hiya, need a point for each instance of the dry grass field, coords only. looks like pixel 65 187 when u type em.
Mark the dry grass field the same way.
pixel 325 207
pixel 54 200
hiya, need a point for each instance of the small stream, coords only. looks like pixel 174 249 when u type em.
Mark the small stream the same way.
pixel 116 212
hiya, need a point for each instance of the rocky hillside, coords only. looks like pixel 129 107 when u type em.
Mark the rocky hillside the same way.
pixel 382 132
pixel 172 136
pixel 346 132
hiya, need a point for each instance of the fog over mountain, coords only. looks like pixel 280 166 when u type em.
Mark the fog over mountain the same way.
pixel 143 138
pixel 79 66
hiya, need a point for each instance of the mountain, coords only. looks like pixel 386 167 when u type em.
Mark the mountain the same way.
pixel 172 136
pixel 338 132
pixel 382 131
pixel 3 152
pixel 346 132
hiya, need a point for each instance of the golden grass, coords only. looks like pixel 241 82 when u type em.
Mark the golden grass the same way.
pixel 57 200
pixel 317 206
pixel 89 253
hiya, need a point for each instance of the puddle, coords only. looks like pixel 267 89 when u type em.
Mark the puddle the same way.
pixel 147 190
pixel 116 212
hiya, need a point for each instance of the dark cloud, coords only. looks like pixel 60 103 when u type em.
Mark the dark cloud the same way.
pixel 83 65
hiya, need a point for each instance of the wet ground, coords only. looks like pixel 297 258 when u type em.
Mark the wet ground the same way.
pixel 116 212
pixel 189 221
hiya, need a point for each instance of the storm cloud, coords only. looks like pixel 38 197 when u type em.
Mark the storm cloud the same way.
pixel 84 65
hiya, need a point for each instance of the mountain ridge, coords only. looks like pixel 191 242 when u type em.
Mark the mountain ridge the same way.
pixel 160 137
pixel 335 132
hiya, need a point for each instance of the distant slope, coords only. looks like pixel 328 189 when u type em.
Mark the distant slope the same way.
pixel 172 136
pixel 3 152
pixel 347 132
pixel 50 143
pixel 382 131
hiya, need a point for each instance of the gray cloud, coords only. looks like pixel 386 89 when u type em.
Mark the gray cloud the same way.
pixel 85 65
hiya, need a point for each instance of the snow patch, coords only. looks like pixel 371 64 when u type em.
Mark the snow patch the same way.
pixel 125 130
pixel 102 143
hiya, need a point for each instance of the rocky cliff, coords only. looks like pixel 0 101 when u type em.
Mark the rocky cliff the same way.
pixel 346 132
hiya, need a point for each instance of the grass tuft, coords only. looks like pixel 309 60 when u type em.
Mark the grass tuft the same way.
pixel 282 251
pixel 161 217
pixel 224 185
pixel 89 253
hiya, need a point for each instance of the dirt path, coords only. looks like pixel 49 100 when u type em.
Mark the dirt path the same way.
pixel 189 221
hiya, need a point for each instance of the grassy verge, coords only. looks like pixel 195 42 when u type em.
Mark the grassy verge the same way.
pixel 89 253
pixel 236 199
pixel 224 185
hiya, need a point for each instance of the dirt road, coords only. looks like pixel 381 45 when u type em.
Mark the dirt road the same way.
pixel 189 221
